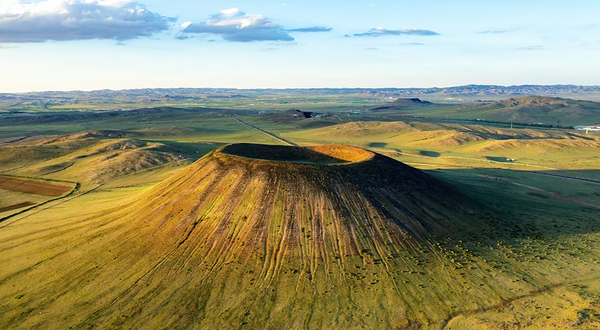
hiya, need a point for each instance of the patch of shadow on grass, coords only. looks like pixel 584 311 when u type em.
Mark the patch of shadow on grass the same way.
pixel 429 153
pixel 378 144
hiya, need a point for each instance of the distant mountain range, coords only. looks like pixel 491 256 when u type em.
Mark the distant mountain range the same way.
pixel 178 93
pixel 271 98
pixel 496 90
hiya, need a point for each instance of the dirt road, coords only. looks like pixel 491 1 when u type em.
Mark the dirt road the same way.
pixel 553 194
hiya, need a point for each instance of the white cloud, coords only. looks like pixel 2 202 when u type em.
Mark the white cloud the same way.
pixel 378 32
pixel 76 20
pixel 235 25
pixel 311 29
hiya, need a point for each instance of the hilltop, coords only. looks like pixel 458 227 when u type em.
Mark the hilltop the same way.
pixel 533 110
pixel 403 101
pixel 401 104
pixel 534 101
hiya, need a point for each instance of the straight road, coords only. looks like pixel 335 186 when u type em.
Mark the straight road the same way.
pixel 273 135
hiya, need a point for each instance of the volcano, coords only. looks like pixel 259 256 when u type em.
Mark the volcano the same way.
pixel 307 189
pixel 255 236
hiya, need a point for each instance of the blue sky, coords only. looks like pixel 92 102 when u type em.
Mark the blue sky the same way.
pixel 89 44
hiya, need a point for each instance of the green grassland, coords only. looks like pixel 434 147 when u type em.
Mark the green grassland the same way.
pixel 527 256
pixel 563 307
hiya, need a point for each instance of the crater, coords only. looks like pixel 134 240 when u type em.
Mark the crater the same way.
pixel 315 155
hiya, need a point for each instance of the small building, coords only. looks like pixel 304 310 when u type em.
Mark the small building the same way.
pixel 588 128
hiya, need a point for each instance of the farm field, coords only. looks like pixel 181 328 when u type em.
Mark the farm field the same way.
pixel 19 193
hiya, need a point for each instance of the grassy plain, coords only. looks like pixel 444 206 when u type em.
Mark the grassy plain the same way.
pixel 535 265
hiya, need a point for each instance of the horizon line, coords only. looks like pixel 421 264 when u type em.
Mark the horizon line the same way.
pixel 297 88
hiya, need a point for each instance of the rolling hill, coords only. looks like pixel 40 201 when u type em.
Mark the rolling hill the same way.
pixel 404 105
pixel 90 156
pixel 535 109
pixel 529 110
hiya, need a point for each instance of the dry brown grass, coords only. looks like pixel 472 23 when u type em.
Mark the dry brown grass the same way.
pixel 33 187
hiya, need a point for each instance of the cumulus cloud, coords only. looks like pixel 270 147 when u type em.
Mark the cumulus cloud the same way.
pixel 311 29
pixel 235 25
pixel 378 32
pixel 77 20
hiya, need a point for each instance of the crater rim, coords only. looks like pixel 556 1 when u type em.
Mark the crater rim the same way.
pixel 318 155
